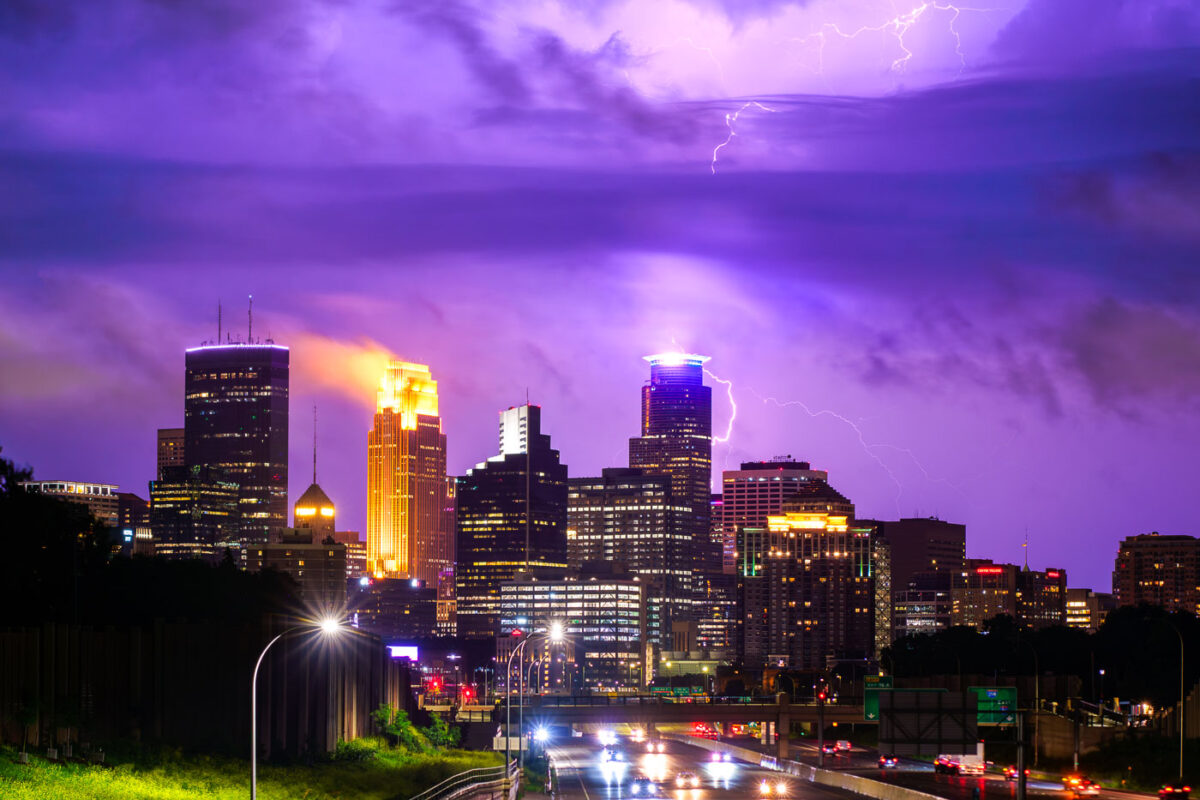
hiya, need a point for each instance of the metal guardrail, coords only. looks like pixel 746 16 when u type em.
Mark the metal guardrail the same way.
pixel 473 780
pixel 591 701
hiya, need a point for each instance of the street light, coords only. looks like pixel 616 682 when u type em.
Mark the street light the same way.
pixel 329 626
pixel 555 635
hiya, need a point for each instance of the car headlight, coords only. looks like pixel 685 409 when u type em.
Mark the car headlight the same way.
pixel 780 787
pixel 764 788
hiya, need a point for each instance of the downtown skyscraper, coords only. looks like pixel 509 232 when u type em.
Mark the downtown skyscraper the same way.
pixel 511 520
pixel 676 440
pixel 236 423
pixel 408 529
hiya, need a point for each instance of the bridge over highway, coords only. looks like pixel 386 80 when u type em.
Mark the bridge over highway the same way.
pixel 647 710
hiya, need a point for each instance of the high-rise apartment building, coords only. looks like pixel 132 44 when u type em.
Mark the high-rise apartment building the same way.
pixel 511 518
pixel 356 553
pixel 194 513
pixel 236 421
pixel 676 440
pixel 820 588
pixel 1159 570
pixel 170 449
pixel 629 517
pixel 99 498
pixel 750 494
pixel 407 526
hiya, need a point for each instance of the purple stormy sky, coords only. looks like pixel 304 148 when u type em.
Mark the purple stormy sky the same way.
pixel 949 254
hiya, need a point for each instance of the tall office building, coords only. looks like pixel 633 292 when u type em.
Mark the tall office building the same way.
pixel 922 544
pixel 407 533
pixel 1086 609
pixel 629 517
pixel 194 513
pixel 676 440
pixel 1160 570
pixel 170 449
pixel 984 589
pixel 511 518
pixel 314 512
pixel 236 421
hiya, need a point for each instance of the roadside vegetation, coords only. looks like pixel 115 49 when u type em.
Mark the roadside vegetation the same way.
pixel 399 764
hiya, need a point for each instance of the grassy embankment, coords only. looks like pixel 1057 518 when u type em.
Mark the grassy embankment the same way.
pixel 372 771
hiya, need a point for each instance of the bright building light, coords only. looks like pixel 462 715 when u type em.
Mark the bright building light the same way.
pixel 330 625
pixel 556 631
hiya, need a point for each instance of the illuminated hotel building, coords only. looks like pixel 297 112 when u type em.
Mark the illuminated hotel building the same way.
pixel 676 440
pixel 100 498
pixel 407 531
pixel 984 589
pixel 236 421
pixel 1159 570
pixel 511 518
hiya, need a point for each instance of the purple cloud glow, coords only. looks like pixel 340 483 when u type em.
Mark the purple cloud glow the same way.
pixel 965 285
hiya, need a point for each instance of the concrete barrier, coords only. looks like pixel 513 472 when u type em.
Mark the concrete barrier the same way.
pixel 838 780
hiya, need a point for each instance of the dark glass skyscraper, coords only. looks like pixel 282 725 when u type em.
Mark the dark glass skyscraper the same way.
pixel 236 421
pixel 676 440
pixel 525 482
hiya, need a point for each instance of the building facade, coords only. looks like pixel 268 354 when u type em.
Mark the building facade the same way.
pixel 511 518
pixel 756 491
pixel 407 528
pixel 236 421
pixel 99 498
pixel 194 513
pixel 984 589
pixel 1159 570
pixel 676 441
pixel 603 614
pixel 1086 609
pixel 170 449
pixel 628 517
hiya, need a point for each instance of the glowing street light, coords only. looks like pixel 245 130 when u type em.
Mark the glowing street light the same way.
pixel 329 626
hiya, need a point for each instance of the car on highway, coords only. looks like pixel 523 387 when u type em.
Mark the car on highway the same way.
pixel 1080 785
pixel 655 746
pixel 644 786
pixel 887 760
pixel 1175 791
pixel 687 780
pixel 959 764
pixel 768 788
pixel 829 749
pixel 1010 773
pixel 843 745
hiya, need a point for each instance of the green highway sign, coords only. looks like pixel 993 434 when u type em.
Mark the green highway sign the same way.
pixel 872 685
pixel 997 704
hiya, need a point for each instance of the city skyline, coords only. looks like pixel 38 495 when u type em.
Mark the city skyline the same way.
pixel 948 257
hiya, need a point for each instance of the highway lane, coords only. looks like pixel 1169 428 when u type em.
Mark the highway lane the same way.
pixel 581 777
pixel 919 775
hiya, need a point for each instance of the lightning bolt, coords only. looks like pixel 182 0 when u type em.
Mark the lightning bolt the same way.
pixel 732 405
pixel 730 118
pixel 898 27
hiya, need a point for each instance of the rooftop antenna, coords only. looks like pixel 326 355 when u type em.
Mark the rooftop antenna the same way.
pixel 218 321
pixel 1026 548
pixel 314 443
pixel 528 467
pixel 250 322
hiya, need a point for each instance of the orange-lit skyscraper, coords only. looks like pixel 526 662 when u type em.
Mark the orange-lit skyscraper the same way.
pixel 407 531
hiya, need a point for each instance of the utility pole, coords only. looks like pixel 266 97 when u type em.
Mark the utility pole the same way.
pixel 821 728
pixel 1020 755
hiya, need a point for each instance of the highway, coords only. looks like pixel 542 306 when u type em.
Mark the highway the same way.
pixel 919 775
pixel 580 776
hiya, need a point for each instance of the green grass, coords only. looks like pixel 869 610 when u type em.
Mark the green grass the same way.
pixel 390 773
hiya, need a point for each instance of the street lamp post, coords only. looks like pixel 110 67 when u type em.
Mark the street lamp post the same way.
pixel 555 635
pixel 328 627
pixel 1181 699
